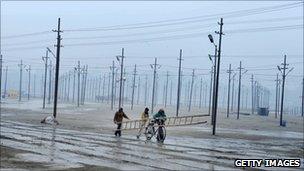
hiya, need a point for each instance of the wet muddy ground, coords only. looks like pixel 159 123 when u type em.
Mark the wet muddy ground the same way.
pixel 28 145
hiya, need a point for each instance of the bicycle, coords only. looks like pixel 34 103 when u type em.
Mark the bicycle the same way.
pixel 160 132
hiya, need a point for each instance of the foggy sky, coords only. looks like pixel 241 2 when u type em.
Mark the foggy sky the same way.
pixel 262 50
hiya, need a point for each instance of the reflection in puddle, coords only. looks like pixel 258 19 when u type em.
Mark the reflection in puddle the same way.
pixel 52 146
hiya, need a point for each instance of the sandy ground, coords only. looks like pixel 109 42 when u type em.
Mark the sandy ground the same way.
pixel 261 136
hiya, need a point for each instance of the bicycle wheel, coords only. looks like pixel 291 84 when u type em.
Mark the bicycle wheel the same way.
pixel 161 135
pixel 149 132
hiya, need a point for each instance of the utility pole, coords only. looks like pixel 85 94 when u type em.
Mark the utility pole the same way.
pixel 138 90
pixel 45 59
pixel 78 69
pixel 58 46
pixel 82 85
pixel 112 92
pixel 133 87
pixel 0 80
pixel 179 81
pixel 29 82
pixel 34 92
pixel 200 96
pixel 50 82
pixel 20 79
pixel 5 84
pixel 115 86
pixel 191 90
pixel 85 82
pixel 99 87
pixel 109 84
pixel 302 107
pixel 252 94
pixel 166 88
pixel 121 75
pixel 74 80
pixel 146 89
pixel 232 93
pixel 276 96
pixel 69 78
pixel 229 81
pixel 210 91
pixel 239 93
pixel 123 87
pixel 214 82
pixel 217 75
pixel 65 86
pixel 171 89
pixel 103 87
pixel 154 66
pixel 284 74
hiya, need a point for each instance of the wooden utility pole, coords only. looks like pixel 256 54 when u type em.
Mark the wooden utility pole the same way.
pixel 69 79
pixel 210 90
pixel 133 87
pixel 5 83
pixel 200 95
pixel 85 82
pixel 20 79
pixel 217 75
pixel 276 97
pixel 121 59
pixel 284 74
pixel 179 81
pixel 99 87
pixel 45 59
pixel 58 46
pixel 146 89
pixel 0 80
pixel 229 81
pixel 252 95
pixel 103 87
pixel 154 66
pixel 50 82
pixel 138 90
pixel 78 69
pixel 171 86
pixel 302 98
pixel 74 81
pixel 29 82
pixel 191 90
pixel 232 93
pixel 112 90
pixel 166 88
pixel 239 93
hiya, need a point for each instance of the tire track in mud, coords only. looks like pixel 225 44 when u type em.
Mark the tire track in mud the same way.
pixel 153 158
pixel 106 150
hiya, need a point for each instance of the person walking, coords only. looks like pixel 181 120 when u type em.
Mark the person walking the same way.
pixel 144 119
pixel 119 115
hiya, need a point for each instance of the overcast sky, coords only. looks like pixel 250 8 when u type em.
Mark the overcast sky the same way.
pixel 279 32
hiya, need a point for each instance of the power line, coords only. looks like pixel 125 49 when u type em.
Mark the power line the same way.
pixel 27 34
pixel 182 36
pixel 189 19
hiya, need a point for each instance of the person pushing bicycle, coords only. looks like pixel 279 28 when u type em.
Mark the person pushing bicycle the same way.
pixel 160 117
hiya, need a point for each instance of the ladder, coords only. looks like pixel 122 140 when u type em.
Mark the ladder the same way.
pixel 171 121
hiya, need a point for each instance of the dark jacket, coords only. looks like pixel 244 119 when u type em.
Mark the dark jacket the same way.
pixel 160 115
pixel 119 116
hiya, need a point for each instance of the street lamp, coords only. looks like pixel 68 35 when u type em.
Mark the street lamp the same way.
pixel 51 52
pixel 211 38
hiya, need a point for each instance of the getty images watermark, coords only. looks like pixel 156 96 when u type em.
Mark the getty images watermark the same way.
pixel 267 162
